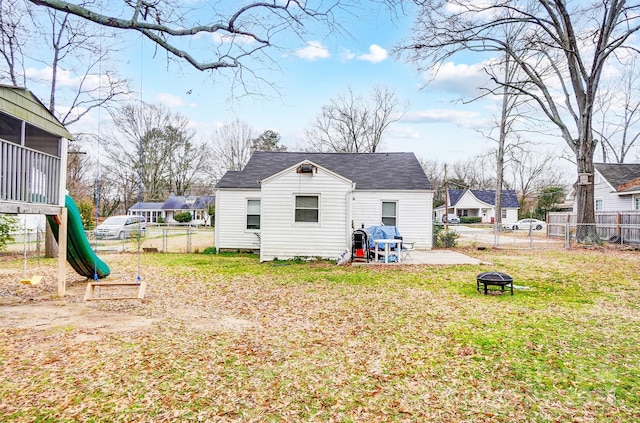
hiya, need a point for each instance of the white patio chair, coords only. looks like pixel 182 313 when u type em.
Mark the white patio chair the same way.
pixel 407 248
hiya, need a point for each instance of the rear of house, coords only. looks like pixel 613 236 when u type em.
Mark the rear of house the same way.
pixel 290 205
pixel 617 187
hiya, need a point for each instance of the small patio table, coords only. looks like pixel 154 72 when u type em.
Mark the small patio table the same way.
pixel 387 248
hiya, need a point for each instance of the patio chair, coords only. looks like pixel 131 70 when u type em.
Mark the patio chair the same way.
pixel 407 248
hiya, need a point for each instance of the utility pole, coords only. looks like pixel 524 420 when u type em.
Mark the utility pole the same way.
pixel 446 200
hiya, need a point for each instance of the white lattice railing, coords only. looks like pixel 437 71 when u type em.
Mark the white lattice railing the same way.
pixel 27 175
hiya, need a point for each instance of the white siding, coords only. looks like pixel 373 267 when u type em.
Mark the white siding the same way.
pixel 414 213
pixel 283 238
pixel 512 216
pixel 610 201
pixel 231 220
pixel 469 201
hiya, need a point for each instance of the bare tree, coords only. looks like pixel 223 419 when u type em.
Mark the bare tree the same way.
pixel 351 124
pixel 617 115
pixel 76 48
pixel 567 46
pixel 477 172
pixel 231 147
pixel 13 39
pixel 188 160
pixel 530 172
pixel 80 166
pixel 143 147
pixel 434 169
pixel 118 190
pixel 511 112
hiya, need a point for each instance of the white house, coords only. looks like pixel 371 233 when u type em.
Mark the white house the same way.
pixel 294 204
pixel 165 211
pixel 616 187
pixel 480 203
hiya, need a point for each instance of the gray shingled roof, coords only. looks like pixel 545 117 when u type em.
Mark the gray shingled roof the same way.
pixel 203 201
pixel 509 197
pixel 146 206
pixel 370 171
pixel 618 173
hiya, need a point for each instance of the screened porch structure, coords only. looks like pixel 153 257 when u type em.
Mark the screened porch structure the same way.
pixel 33 153
pixel 33 161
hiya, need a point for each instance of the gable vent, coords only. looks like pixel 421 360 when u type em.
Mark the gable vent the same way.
pixel 307 168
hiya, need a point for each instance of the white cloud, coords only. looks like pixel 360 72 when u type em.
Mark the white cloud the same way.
pixel 314 50
pixel 347 55
pixel 403 131
pixel 376 54
pixel 67 80
pixel 171 100
pixel 464 79
pixel 467 119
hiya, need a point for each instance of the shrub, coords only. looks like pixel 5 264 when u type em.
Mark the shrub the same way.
pixel 470 219
pixel 160 220
pixel 444 239
pixel 183 217
pixel 8 224
pixel 210 250
pixel 87 213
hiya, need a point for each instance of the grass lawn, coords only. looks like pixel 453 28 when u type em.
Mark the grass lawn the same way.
pixel 230 339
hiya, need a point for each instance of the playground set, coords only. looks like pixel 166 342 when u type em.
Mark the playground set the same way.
pixel 33 152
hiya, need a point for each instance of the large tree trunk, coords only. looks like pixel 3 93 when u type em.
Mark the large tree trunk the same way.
pixel 586 217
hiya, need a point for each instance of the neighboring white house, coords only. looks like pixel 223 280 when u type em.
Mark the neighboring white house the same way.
pixel 294 204
pixel 151 211
pixel 480 203
pixel 616 187
pixel 164 211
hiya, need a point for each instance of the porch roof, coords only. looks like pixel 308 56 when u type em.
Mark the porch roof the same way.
pixel 21 103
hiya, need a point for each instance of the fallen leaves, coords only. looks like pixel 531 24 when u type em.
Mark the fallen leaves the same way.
pixel 228 339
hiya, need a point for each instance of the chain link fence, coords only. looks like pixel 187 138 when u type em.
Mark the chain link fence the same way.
pixel 163 239
pixel 192 239
pixel 30 241
pixel 557 236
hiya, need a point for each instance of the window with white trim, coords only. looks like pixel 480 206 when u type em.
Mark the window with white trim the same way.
pixel 307 209
pixel 253 214
pixel 503 213
pixel 389 213
pixel 599 204
pixel 636 202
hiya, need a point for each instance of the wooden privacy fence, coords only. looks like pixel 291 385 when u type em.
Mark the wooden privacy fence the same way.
pixel 617 227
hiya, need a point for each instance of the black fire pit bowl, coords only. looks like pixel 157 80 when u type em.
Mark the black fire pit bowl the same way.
pixel 498 279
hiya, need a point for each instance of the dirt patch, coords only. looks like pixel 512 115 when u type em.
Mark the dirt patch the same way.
pixel 38 307
pixel 70 316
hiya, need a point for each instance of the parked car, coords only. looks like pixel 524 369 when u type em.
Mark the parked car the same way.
pixel 121 227
pixel 533 224
pixel 452 218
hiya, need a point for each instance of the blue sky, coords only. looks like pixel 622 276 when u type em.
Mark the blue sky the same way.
pixel 436 126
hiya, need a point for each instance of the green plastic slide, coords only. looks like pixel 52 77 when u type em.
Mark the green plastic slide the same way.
pixel 80 255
